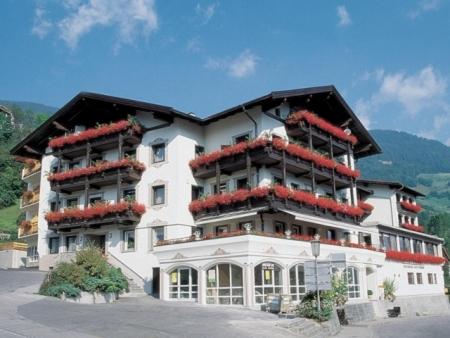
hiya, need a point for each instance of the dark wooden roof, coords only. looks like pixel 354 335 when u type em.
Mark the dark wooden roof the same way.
pixel 391 184
pixel 324 101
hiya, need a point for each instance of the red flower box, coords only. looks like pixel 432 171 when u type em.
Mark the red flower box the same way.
pixel 292 149
pixel 279 191
pixel 413 227
pixel 413 257
pixel 96 169
pixel 365 206
pixel 416 208
pixel 96 211
pixel 320 123
pixel 92 133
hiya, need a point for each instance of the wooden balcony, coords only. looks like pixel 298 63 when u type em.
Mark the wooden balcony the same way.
pixel 320 138
pixel 29 198
pixel 273 204
pixel 99 145
pixel 271 157
pixel 28 228
pixel 97 181
pixel 30 169
pixel 117 219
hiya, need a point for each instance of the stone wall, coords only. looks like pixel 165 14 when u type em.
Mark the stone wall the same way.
pixel 411 306
pixel 357 312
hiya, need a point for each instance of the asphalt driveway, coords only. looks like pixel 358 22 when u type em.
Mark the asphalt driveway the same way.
pixel 25 314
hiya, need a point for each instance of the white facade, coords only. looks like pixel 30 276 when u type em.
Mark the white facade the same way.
pixel 185 268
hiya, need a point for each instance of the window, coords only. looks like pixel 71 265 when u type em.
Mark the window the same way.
pixel 197 192
pixel 159 153
pixel 241 183
pixel 159 195
pixel 32 254
pixel 296 229
pixel 331 234
pixel 400 219
pixel 53 245
pixel 435 278
pixel 397 196
pixel 199 150
pixel 183 283
pixel 95 199
pixel 429 247
pixel 297 287
pixel 294 186
pixel 131 154
pixel 388 241
pixel 129 194
pixel 405 244
pixel 241 225
pixel 53 206
pixel 72 202
pixel 417 246
pixel 277 180
pixel 312 231
pixel 419 278
pixel 96 159
pixel 223 187
pixel 430 278
pixel 200 229
pixel 277 112
pixel 54 169
pixel 71 243
pixel 365 238
pixel 224 285
pixel 268 279
pixel 158 234
pixel 411 278
pixel 220 229
pixel 74 165
pixel 129 243
pixel 242 138
pixel 280 227
pixel 352 276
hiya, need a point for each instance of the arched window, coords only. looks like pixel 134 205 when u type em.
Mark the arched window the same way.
pixel 352 278
pixel 183 283
pixel 224 285
pixel 297 282
pixel 268 280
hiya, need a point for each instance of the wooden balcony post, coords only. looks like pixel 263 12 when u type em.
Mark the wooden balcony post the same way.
pixel 86 179
pixel 119 178
pixel 333 174
pixel 217 177
pixel 249 170
pixel 313 176
pixel 57 189
pixel 284 168
pixel 352 180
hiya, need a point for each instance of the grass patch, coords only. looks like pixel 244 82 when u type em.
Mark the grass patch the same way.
pixel 8 218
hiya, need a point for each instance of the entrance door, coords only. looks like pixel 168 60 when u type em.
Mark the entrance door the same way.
pixel 155 282
pixel 98 241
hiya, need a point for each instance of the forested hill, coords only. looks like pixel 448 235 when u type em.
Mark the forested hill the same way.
pixel 405 157
pixel 33 107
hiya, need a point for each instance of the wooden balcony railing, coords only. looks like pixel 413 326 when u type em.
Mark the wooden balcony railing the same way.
pixel 30 197
pixel 28 227
pixel 30 167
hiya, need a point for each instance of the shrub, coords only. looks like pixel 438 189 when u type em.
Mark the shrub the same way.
pixel 69 290
pixel 89 272
pixel 308 306
pixel 389 289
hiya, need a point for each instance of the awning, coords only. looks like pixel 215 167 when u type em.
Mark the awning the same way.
pixel 227 217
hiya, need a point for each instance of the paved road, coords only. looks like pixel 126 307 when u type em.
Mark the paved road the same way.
pixel 24 314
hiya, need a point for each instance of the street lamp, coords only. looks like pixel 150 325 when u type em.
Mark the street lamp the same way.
pixel 315 248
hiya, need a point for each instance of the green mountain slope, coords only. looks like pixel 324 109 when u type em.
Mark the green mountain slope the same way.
pixel 30 106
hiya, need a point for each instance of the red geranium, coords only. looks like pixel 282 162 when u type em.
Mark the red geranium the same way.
pixel 413 227
pixel 96 211
pixel 92 133
pixel 413 257
pixel 320 123
pixel 96 169
pixel 411 207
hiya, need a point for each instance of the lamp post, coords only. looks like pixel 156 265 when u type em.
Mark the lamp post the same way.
pixel 315 248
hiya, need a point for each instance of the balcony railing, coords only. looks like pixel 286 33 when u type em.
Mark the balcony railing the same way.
pixel 98 176
pixel 274 199
pixel 30 197
pixel 273 153
pixel 28 227
pixel 413 227
pixel 410 207
pixel 100 214
pixel 102 138
pixel 403 256
pixel 31 167
pixel 253 232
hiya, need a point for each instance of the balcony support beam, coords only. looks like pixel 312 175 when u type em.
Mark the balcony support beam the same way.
pixel 313 176
pixel 284 168
pixel 333 177
pixel 86 180
pixel 352 181
pixel 249 170
pixel 57 190
pixel 119 178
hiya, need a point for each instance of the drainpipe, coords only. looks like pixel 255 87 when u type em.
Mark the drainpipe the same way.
pixel 256 135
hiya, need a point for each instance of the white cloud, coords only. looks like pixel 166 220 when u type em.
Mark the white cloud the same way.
pixel 194 45
pixel 206 13
pixel 130 17
pixel 413 92
pixel 41 26
pixel 343 16
pixel 239 67
pixel 424 6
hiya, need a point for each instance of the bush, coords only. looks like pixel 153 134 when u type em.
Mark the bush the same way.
pixel 89 272
pixel 69 290
pixel 389 289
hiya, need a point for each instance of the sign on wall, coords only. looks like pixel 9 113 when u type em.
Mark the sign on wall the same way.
pixel 323 275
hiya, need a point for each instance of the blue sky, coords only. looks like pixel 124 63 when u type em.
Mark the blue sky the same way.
pixel 389 59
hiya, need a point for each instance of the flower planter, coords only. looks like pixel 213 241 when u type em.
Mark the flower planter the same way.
pixel 92 298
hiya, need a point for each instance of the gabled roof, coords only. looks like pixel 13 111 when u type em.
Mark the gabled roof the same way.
pixel 325 101
pixel 391 184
